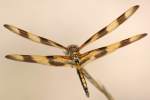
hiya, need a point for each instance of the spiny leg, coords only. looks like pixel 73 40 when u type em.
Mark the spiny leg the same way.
pixel 55 60
pixel 33 37
pixel 97 53
pixel 112 26
pixel 99 85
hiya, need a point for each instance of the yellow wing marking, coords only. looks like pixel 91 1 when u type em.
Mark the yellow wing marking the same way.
pixel 112 26
pixel 33 37
pixel 55 60
pixel 97 53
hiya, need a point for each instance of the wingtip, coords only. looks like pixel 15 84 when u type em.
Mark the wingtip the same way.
pixel 144 34
pixel 137 6
pixel 9 27
pixel 14 57
pixel 6 25
pixel 138 37
pixel 8 57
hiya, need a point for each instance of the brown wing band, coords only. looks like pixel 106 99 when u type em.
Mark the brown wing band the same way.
pixel 33 37
pixel 47 60
pixel 97 53
pixel 112 26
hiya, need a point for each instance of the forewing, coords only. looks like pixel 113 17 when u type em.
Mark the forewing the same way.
pixel 55 60
pixel 97 85
pixel 83 82
pixel 33 37
pixel 97 53
pixel 112 26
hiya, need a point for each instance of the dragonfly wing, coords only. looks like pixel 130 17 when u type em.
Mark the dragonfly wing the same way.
pixel 97 85
pixel 83 82
pixel 112 26
pixel 55 60
pixel 97 53
pixel 33 37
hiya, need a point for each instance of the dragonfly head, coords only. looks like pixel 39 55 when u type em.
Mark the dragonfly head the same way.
pixel 72 49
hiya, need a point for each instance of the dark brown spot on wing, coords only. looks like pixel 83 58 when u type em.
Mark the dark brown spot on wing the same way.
pixel 100 54
pixel 9 57
pixel 56 63
pixel 124 42
pixel 6 26
pixel 44 41
pixel 86 42
pixel 102 32
pixel 52 61
pixel 97 35
pixel 51 43
pixel 23 33
pixel 28 58
pixel 59 45
pixel 121 19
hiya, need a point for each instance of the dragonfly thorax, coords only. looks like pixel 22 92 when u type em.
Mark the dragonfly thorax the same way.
pixel 73 51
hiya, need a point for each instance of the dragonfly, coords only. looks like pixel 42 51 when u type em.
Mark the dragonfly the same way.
pixel 72 57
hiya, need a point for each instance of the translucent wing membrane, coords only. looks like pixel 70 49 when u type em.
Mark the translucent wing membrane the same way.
pixel 97 53
pixel 83 82
pixel 33 37
pixel 97 85
pixel 112 26
pixel 46 60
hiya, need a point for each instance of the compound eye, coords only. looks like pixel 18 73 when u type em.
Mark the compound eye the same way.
pixel 73 48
